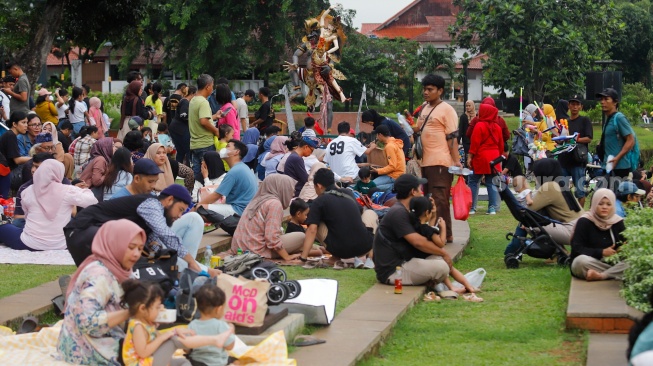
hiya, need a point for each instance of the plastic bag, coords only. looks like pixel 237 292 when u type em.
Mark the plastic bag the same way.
pixel 462 200
pixel 474 277
pixel 404 124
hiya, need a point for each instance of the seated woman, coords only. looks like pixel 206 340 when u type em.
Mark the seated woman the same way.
pixel 553 197
pixel 278 148
pixel 94 172
pixel 133 141
pixel 59 152
pixel 47 204
pixel 119 173
pixel 212 171
pixel 598 235
pixel 157 153
pixel 259 228
pixel 93 317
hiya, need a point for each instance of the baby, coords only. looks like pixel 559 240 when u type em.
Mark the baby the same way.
pixel 520 183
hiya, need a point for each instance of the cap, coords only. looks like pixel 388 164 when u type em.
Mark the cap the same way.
pixel 609 92
pixel 146 167
pixel 407 182
pixel 178 192
pixel 43 137
pixel 575 98
pixel 65 125
pixel 626 188
pixel 44 92
pixel 311 141
pixel 135 122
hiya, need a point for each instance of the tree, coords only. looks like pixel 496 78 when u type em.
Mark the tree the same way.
pixel 632 43
pixel 545 46
pixel 432 59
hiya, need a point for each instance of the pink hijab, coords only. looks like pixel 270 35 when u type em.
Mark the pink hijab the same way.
pixel 278 147
pixel 47 187
pixel 95 112
pixel 109 246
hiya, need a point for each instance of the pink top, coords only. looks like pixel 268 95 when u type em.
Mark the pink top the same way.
pixel 41 233
pixel 260 234
pixel 231 119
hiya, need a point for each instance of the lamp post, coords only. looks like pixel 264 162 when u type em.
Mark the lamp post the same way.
pixel 110 45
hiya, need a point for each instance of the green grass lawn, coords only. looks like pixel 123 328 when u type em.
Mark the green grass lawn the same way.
pixel 15 278
pixel 521 322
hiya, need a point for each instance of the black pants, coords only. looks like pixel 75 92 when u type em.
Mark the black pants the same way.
pixel 79 242
pixel 182 144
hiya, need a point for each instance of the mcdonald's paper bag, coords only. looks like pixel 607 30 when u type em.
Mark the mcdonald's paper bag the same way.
pixel 247 300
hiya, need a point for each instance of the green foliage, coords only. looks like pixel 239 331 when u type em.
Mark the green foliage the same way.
pixel 431 59
pixel 544 46
pixel 636 93
pixel 638 253
pixel 632 42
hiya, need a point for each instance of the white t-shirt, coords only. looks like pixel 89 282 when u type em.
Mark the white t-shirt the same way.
pixel 61 111
pixel 5 104
pixel 241 107
pixel 309 133
pixel 341 154
pixel 78 114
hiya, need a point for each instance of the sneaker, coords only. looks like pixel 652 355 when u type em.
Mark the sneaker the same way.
pixel 491 212
pixel 358 264
pixel 369 264
pixel 472 212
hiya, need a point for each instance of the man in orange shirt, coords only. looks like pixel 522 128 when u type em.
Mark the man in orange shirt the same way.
pixel 440 145
pixel 396 159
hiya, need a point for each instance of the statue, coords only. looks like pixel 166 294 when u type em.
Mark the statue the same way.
pixel 323 45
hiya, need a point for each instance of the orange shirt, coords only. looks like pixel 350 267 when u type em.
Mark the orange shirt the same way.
pixel 443 121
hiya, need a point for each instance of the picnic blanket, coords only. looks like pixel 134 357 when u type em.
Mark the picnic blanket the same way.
pixel 52 257
pixel 29 349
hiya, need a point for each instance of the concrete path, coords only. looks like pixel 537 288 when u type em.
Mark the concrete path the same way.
pixel 359 329
pixel 607 349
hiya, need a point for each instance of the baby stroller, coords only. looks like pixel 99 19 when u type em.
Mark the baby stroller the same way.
pixel 537 243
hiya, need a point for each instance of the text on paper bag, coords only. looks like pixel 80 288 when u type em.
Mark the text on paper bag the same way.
pixel 242 305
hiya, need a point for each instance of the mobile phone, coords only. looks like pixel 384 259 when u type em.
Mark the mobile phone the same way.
pixel 224 113
pixel 428 195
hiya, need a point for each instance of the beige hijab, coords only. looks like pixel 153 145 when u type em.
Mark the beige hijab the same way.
pixel 471 114
pixel 592 215
pixel 165 178
pixel 308 191
pixel 278 187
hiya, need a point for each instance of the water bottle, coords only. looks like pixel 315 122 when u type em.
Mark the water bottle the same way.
pixel 207 256
pixel 398 285
pixel 239 251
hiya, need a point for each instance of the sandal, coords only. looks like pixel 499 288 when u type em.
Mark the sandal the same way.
pixel 450 295
pixel 315 264
pixel 472 298
pixel 431 296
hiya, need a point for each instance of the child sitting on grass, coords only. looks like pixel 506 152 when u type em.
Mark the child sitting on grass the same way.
pixel 210 302
pixel 423 214
pixel 143 344
pixel 298 214
pixel 365 184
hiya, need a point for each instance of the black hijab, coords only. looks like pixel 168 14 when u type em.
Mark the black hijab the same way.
pixel 561 109
pixel 214 164
pixel 549 170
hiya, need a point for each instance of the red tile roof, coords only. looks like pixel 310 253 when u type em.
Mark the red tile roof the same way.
pixel 438 29
pixel 140 60
pixel 367 28
pixel 408 32
pixel 53 60
pixel 476 63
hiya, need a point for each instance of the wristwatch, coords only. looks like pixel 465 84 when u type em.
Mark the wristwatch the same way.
pixel 303 259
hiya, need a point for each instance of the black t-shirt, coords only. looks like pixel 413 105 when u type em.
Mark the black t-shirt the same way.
pixel 170 107
pixel 179 124
pixel 114 209
pixel 583 126
pixel 512 164
pixel 390 248
pixel 65 141
pixel 9 148
pixel 590 240
pixel 294 228
pixel 348 237
pixel 266 115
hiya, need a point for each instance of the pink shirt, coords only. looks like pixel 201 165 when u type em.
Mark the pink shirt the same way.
pixel 260 234
pixel 41 233
pixel 231 119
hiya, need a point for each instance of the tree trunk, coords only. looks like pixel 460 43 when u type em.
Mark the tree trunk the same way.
pixel 35 53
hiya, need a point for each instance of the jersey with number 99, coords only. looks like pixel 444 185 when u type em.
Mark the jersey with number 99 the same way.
pixel 341 156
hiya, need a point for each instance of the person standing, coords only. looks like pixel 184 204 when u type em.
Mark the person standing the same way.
pixel 132 106
pixel 618 136
pixel 171 102
pixel 241 107
pixel 265 115
pixel 178 128
pixel 20 92
pixel 463 123
pixel 571 166
pixel 373 118
pixel 46 110
pixel 200 123
pixel 440 144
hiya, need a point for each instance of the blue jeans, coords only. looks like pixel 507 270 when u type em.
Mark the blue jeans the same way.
pixel 78 126
pixel 514 244
pixel 189 228
pixel 577 175
pixel 492 192
pixel 197 155
pixel 11 237
pixel 5 185
pixel 384 182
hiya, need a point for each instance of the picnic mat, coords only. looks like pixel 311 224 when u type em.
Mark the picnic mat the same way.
pixel 29 349
pixel 52 257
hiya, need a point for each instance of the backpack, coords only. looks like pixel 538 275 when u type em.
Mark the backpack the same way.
pixel 519 143
pixel 215 106
pixel 240 264
pixel 632 157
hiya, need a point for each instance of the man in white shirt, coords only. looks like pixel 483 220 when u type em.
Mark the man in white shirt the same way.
pixel 341 153
pixel 5 112
pixel 241 108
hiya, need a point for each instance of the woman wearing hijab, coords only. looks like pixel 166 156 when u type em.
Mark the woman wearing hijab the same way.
pixel 554 197
pixel 157 153
pixel 59 153
pixel 48 205
pixel 259 228
pixel 278 149
pixel 547 122
pixel 505 132
pixel 308 191
pixel 212 171
pixel 132 105
pixel 94 172
pixel 486 145
pixel 263 150
pixel 463 124
pixel 250 138
pixel 562 107
pixel 95 115
pixel 598 234
pixel 93 317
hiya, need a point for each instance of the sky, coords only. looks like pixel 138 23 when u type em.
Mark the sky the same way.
pixel 372 11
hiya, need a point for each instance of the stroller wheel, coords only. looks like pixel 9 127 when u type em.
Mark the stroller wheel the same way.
pixel 294 287
pixel 277 293
pixel 511 262
pixel 277 275
pixel 564 260
pixel 260 273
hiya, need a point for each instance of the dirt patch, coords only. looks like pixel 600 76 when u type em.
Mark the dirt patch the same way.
pixel 571 352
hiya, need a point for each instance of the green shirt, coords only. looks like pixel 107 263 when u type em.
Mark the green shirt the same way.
pixel 200 137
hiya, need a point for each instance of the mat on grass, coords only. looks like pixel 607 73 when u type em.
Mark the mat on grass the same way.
pixel 52 257
pixel 35 349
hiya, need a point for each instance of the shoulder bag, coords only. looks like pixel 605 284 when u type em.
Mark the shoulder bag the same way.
pixel 418 150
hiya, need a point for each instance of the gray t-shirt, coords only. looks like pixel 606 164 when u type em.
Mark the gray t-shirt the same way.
pixel 22 85
pixel 241 107
pixel 210 355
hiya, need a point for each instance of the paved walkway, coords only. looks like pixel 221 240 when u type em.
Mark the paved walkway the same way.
pixel 359 329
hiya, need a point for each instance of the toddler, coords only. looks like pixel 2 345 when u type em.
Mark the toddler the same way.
pixel 520 183
pixel 225 133
pixel 210 302
pixel 164 139
pixel 298 212
pixel 365 184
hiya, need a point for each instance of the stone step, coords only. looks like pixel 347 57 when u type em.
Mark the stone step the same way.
pixel 607 349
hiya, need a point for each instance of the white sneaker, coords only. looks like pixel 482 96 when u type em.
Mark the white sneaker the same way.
pixel 369 264
pixel 358 263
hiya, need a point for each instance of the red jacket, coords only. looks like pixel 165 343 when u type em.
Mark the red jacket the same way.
pixel 486 142
pixel 500 121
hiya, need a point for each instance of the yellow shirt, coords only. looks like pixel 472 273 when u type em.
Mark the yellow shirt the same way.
pixel 219 145
pixel 47 112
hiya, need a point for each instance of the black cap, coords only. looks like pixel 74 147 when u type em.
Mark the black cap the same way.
pixel 575 98
pixel 609 92
pixel 178 192
pixel 407 182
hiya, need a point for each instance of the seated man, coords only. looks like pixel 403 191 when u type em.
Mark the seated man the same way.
pixel 341 153
pixel 160 217
pixel 394 152
pixel 335 220
pixel 629 196
pixel 397 244
pixel 146 174
pixel 238 186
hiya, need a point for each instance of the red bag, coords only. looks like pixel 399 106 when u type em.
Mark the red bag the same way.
pixel 462 200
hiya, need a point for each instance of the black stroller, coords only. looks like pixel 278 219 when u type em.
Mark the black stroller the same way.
pixel 537 243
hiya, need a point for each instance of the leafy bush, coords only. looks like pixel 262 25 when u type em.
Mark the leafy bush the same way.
pixel 638 253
